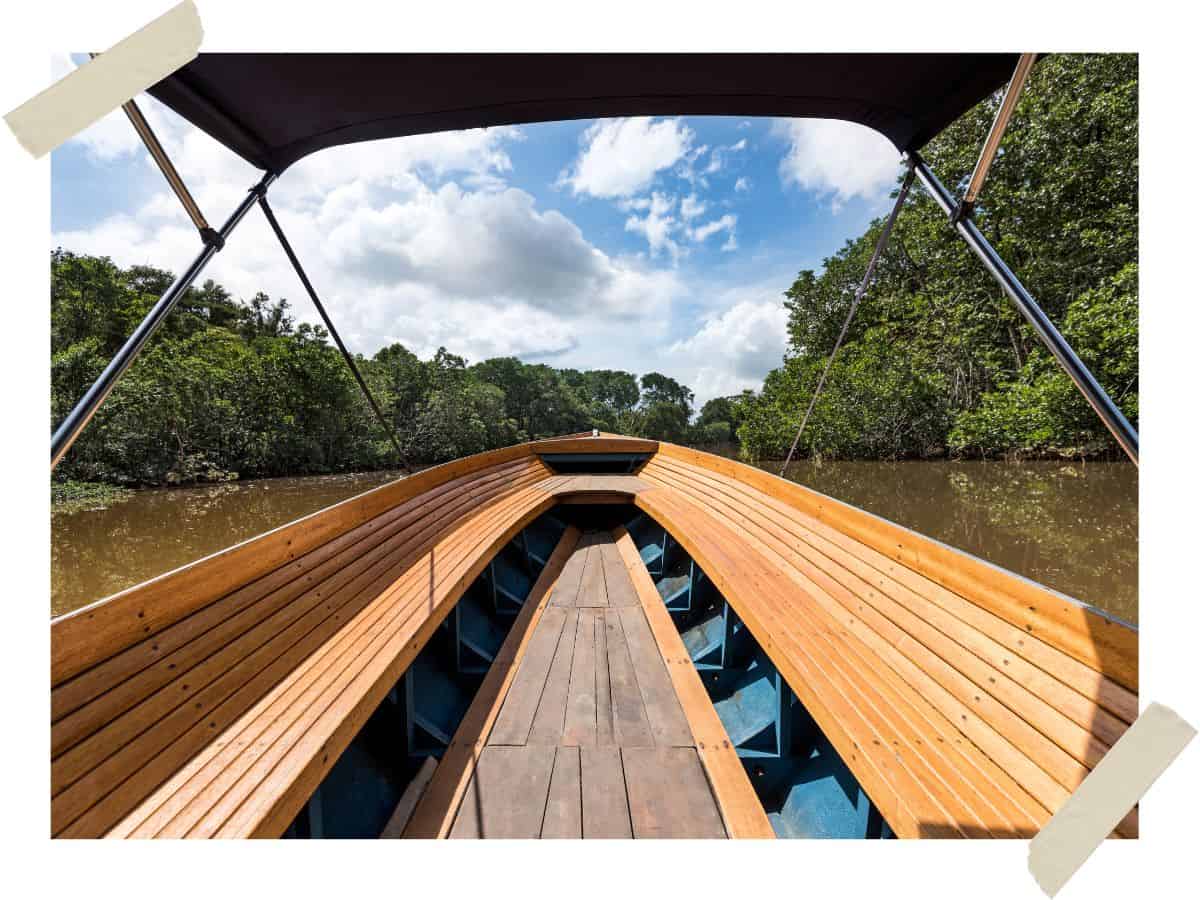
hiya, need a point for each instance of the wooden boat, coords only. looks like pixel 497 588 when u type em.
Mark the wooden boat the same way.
pixel 596 636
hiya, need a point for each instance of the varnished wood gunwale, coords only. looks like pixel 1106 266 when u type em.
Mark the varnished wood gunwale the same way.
pixel 82 638
pixel 1101 642
pixel 226 663
pixel 293 665
pixel 1045 716
pixel 1050 736
pixel 1091 685
pixel 394 617
pixel 398 541
pixel 331 556
pixel 966 700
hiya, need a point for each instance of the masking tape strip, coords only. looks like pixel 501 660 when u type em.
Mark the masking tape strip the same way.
pixel 1108 793
pixel 98 87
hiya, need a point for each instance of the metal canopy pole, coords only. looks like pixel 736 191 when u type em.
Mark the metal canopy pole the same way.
pixel 159 155
pixel 988 154
pixel 337 338
pixel 70 427
pixel 880 245
pixel 1108 411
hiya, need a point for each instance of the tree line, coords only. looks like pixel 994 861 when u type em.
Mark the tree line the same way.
pixel 937 360
pixel 229 389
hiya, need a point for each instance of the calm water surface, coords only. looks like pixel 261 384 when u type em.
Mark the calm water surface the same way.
pixel 1072 527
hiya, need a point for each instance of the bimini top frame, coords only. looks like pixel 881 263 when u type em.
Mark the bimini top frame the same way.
pixel 301 103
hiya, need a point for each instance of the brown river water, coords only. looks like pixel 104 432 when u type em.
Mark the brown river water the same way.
pixel 1072 527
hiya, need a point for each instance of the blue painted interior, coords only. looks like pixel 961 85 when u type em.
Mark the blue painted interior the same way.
pixel 805 787
pixel 419 716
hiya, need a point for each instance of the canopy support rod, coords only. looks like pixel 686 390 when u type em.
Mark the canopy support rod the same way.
pixel 388 427
pixel 999 125
pixel 155 148
pixel 1108 411
pixel 880 246
pixel 70 427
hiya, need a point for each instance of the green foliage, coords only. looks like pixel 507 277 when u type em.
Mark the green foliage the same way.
pixel 1040 408
pixel 937 357
pixel 227 389
pixel 76 496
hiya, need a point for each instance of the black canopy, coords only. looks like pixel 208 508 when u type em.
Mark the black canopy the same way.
pixel 274 108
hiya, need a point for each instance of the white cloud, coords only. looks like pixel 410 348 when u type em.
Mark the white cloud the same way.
pixel 622 156
pixel 692 207
pixel 657 226
pixel 716 161
pixel 742 184
pixel 734 349
pixel 840 160
pixel 703 232
pixel 485 245
pixel 418 240
pixel 686 170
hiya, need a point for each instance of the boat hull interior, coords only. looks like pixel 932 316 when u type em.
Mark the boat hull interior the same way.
pixel 647 640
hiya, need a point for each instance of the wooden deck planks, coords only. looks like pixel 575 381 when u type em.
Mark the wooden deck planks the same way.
pixel 667 788
pixel 668 724
pixel 579 726
pixel 592 689
pixel 743 814
pixel 551 712
pixel 631 727
pixel 524 696
pixel 592 590
pixel 564 808
pixel 507 795
pixel 605 802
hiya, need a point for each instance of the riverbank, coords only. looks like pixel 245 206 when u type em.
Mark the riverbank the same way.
pixel 79 496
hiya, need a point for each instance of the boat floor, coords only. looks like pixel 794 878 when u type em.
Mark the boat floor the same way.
pixel 592 739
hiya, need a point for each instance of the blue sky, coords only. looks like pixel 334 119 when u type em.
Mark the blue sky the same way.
pixel 644 244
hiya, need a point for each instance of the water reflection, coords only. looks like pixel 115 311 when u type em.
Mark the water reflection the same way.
pixel 1071 527
pixel 95 553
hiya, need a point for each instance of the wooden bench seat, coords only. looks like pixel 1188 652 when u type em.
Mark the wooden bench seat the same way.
pixel 213 700
pixel 145 740
pixel 966 700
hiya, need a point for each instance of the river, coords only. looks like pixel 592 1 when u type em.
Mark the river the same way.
pixel 1072 526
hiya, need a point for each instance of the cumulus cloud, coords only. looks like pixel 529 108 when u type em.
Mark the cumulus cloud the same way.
pixel 657 226
pixel 716 160
pixel 663 230
pixel 734 349
pixel 838 160
pixel 692 207
pixel 703 232
pixel 742 184
pixel 621 157
pixel 419 240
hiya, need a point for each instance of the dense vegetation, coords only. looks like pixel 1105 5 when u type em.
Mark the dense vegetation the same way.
pixel 937 360
pixel 230 389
